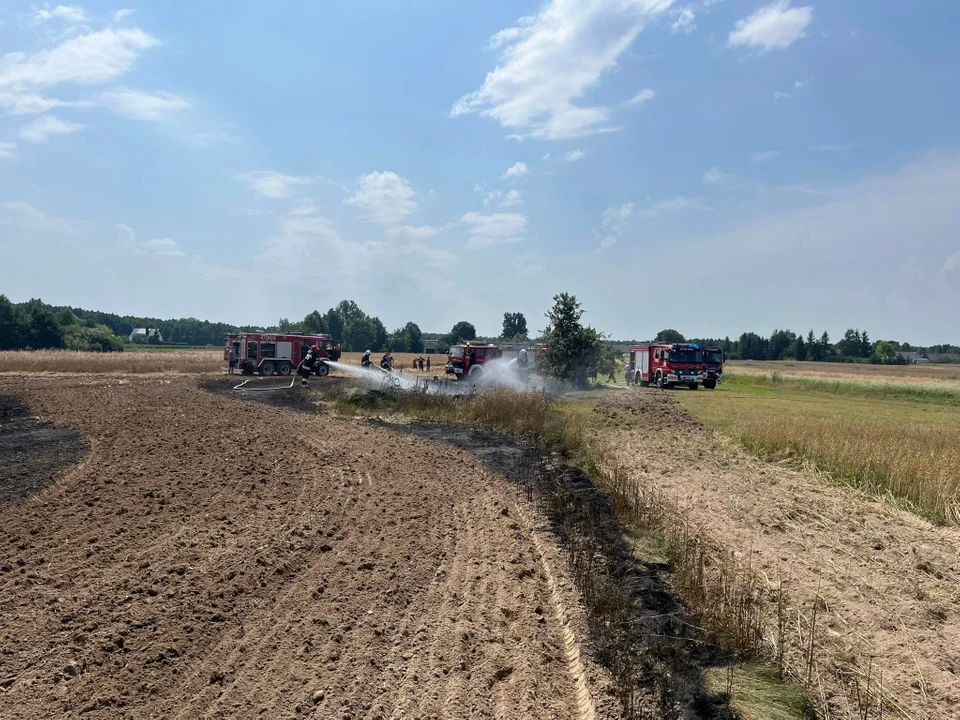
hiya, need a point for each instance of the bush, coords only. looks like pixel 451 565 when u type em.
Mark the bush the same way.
pixel 95 339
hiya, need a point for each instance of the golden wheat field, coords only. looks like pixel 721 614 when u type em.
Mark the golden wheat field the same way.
pixel 901 373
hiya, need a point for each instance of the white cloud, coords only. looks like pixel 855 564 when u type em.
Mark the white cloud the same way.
pixel 764 156
pixel 270 184
pixel 798 85
pixel 122 14
pixel 67 13
pixel 574 155
pixel 492 198
pixel 512 199
pixel 27 217
pixel 28 104
pixel 43 127
pixel 780 95
pixel 952 263
pixel 125 234
pixel 607 242
pixel 7 150
pixel 684 22
pixel 716 176
pixel 414 233
pixel 144 105
pixel 546 156
pixel 615 217
pixel 640 98
pixel 550 61
pixel 87 59
pixel 518 169
pixel 485 230
pixel 776 25
pixel 164 247
pixel 386 197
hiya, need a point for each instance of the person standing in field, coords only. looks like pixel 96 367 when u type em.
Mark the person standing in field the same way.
pixel 428 363
pixel 420 362
pixel 232 357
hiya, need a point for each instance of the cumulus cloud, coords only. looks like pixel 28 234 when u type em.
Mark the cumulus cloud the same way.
pixel 270 184
pixel 86 59
pixel 43 127
pixel 644 96
pixel 574 155
pixel 67 13
pixel 29 103
pixel 123 14
pixel 952 263
pixel 684 22
pixel 386 197
pixel 163 247
pixel 776 25
pixel 550 61
pixel 518 169
pixel 487 229
pixel 144 105
pixel 716 176
pixel 7 150
pixel 614 222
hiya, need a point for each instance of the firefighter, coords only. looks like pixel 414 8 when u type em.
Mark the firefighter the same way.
pixel 307 364
pixel 365 360
pixel 386 362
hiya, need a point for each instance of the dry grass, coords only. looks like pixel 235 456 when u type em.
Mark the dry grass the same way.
pixel 905 451
pixel 70 361
pixel 930 372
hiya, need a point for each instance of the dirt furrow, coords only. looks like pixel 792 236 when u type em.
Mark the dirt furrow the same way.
pixel 215 558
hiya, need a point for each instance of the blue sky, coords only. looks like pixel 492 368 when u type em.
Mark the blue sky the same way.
pixel 711 165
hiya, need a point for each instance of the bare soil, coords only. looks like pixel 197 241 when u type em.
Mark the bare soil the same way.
pixel 219 558
pixel 33 452
pixel 886 584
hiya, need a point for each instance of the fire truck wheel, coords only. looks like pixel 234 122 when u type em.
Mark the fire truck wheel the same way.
pixel 644 383
pixel 476 372
pixel 661 382
pixel 710 384
pixel 267 369
pixel 693 386
pixel 323 370
pixel 283 369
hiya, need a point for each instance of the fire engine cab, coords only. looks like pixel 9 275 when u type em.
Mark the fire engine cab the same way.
pixel 269 353
pixel 467 359
pixel 667 365
pixel 713 366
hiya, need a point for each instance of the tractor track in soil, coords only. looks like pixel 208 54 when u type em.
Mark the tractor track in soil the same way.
pixel 885 582
pixel 218 558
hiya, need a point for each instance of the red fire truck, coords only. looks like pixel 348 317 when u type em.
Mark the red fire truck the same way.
pixel 467 359
pixel 713 366
pixel 667 365
pixel 269 353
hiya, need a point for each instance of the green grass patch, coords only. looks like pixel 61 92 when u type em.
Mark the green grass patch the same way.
pixel 756 692
pixel 946 393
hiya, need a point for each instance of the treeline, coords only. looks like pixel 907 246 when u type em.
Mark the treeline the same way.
pixel 38 326
pixel 855 346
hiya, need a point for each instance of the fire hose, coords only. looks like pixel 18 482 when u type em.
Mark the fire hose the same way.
pixel 267 389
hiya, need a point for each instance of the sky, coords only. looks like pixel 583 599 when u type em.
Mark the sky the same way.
pixel 716 166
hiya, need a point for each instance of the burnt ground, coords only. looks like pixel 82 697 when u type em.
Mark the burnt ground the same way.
pixel 638 628
pixel 33 452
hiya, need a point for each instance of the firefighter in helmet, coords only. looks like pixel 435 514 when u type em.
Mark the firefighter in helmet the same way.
pixel 307 364
pixel 365 360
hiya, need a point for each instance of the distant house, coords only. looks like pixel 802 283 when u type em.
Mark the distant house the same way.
pixel 429 346
pixel 914 358
pixel 143 335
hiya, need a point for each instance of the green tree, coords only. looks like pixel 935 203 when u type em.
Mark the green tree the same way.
pixel 514 327
pixel 44 331
pixel 335 325
pixel 314 323
pixel 800 349
pixel 379 335
pixel 572 349
pixel 669 336
pixel 359 335
pixel 14 327
pixel 462 332
pixel 608 359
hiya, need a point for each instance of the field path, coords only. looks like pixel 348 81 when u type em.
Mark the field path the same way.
pixel 222 559
pixel 888 582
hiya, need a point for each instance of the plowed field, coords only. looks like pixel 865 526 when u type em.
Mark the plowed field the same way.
pixel 211 557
